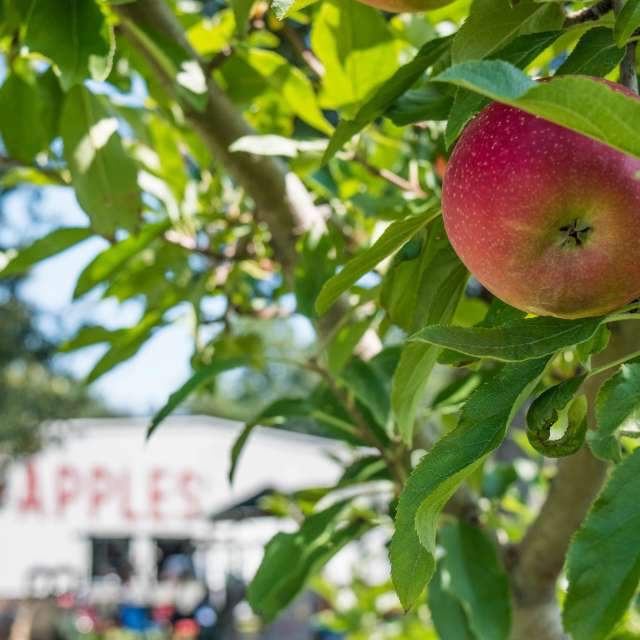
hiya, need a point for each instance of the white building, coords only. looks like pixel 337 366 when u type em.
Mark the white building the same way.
pixel 99 499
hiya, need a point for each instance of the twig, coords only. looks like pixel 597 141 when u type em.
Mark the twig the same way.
pixel 396 459
pixel 390 177
pixel 594 12
pixel 217 60
pixel 187 242
pixel 297 44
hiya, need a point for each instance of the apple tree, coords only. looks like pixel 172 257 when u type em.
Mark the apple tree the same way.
pixel 339 163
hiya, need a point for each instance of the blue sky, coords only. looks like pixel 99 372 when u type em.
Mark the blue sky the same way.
pixel 138 386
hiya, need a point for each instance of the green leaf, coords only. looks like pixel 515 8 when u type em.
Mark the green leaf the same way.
pixel 617 401
pixel 627 22
pixel 449 617
pixel 315 264
pixel 597 344
pixel 498 315
pixel 75 34
pixel 423 285
pixel 476 578
pixel 279 410
pixel 365 469
pixel 331 421
pixel 189 81
pixel 284 8
pixel 290 559
pixel 427 102
pixel 21 118
pixel 241 12
pixel 481 429
pixel 125 343
pixel 400 82
pixel 465 105
pixel 422 278
pixel 396 234
pixel 474 41
pixel 595 54
pixel 603 563
pixel 291 84
pixel 576 102
pixel 520 52
pixel 89 335
pixel 516 340
pixel 497 480
pixel 456 393
pixel 196 380
pixel 558 406
pixel 356 47
pixel 52 244
pixel 368 387
pixel 343 344
pixel 107 263
pixel 104 176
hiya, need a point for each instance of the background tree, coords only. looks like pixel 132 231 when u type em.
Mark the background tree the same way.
pixel 32 389
pixel 247 162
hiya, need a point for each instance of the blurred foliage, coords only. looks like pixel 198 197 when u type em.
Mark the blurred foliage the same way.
pixel 31 391
pixel 271 176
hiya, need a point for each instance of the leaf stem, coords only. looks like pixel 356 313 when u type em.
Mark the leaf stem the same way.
pixel 613 363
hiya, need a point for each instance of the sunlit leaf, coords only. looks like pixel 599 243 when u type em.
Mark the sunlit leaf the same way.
pixel 618 400
pixel 52 244
pixel 75 34
pixel 481 429
pixel 603 563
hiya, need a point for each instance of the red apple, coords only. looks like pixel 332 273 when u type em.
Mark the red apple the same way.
pixel 409 6
pixel 545 218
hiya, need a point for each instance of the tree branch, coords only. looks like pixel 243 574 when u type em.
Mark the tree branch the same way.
pixel 595 12
pixel 297 44
pixel 537 562
pixel 390 177
pixel 394 456
pixel 282 201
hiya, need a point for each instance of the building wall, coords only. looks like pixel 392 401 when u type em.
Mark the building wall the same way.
pixel 101 478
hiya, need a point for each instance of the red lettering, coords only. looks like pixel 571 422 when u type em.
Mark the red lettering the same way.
pixel 67 486
pixel 124 483
pixel 188 482
pixel 101 483
pixel 156 495
pixel 32 500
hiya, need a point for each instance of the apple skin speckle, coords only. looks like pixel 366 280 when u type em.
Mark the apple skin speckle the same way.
pixel 516 185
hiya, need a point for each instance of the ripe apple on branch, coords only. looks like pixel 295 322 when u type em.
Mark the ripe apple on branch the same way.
pixel 544 217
